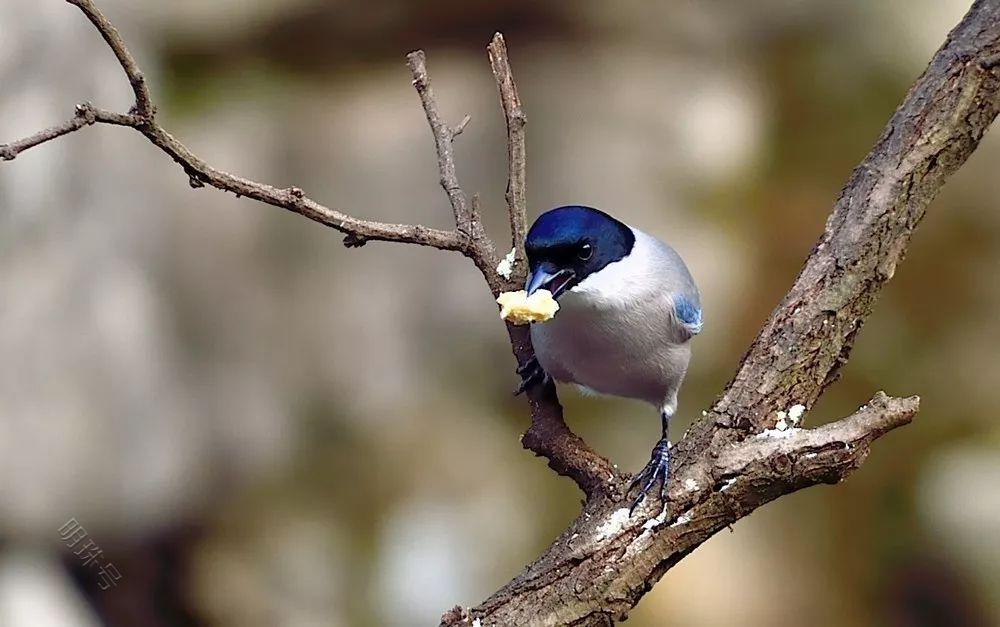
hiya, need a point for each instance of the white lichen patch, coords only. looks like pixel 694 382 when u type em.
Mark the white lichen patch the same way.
pixel 643 540
pixel 655 522
pixel 506 265
pixel 795 413
pixel 777 433
pixel 614 524
pixel 780 424
pixel 683 519
pixel 690 485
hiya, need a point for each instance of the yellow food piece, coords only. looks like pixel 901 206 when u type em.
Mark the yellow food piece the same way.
pixel 519 308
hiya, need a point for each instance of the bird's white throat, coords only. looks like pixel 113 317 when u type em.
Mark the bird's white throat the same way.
pixel 624 280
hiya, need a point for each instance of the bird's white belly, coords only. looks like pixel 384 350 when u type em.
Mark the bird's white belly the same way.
pixel 612 354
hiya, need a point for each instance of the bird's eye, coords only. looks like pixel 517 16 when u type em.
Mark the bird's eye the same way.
pixel 585 252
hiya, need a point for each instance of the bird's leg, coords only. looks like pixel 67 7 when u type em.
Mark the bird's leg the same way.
pixel 658 467
pixel 531 373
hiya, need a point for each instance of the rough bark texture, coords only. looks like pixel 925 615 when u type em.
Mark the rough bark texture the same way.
pixel 600 567
pixel 802 347
pixel 748 449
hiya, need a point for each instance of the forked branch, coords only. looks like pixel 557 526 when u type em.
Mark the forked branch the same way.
pixel 749 448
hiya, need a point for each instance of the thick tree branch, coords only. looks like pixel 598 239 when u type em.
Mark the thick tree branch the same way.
pixel 600 567
pixel 743 453
pixel 801 349
pixel 736 459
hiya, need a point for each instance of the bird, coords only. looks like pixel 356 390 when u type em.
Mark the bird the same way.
pixel 628 309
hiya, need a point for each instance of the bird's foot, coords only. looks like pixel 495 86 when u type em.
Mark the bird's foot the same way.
pixel 531 373
pixel 658 468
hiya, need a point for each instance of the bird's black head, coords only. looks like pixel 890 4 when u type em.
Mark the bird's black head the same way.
pixel 565 245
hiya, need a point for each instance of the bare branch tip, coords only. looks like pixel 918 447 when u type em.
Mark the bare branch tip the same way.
pixel 455 132
pixel 497 50
pixel 895 404
pixel 417 62
pixel 416 59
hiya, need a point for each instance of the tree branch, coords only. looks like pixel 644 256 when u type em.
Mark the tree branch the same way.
pixel 444 136
pixel 548 436
pixel 199 173
pixel 600 567
pixel 143 102
pixel 736 459
pixel 742 454
pixel 516 161
pixel 84 115
pixel 801 349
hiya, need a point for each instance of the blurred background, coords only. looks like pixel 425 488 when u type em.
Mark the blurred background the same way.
pixel 256 426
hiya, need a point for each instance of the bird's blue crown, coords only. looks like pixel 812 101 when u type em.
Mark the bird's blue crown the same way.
pixel 583 238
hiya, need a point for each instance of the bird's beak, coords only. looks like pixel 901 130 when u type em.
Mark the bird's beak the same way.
pixel 547 276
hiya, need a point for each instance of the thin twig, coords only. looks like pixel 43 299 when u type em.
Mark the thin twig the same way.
pixel 516 164
pixel 455 132
pixel 548 436
pixel 567 453
pixel 84 115
pixel 467 223
pixel 443 136
pixel 200 173
pixel 143 101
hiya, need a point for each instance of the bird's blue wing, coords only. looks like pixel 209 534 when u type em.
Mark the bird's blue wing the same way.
pixel 688 314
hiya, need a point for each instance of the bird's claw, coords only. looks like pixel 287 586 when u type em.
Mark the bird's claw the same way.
pixel 657 468
pixel 531 373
